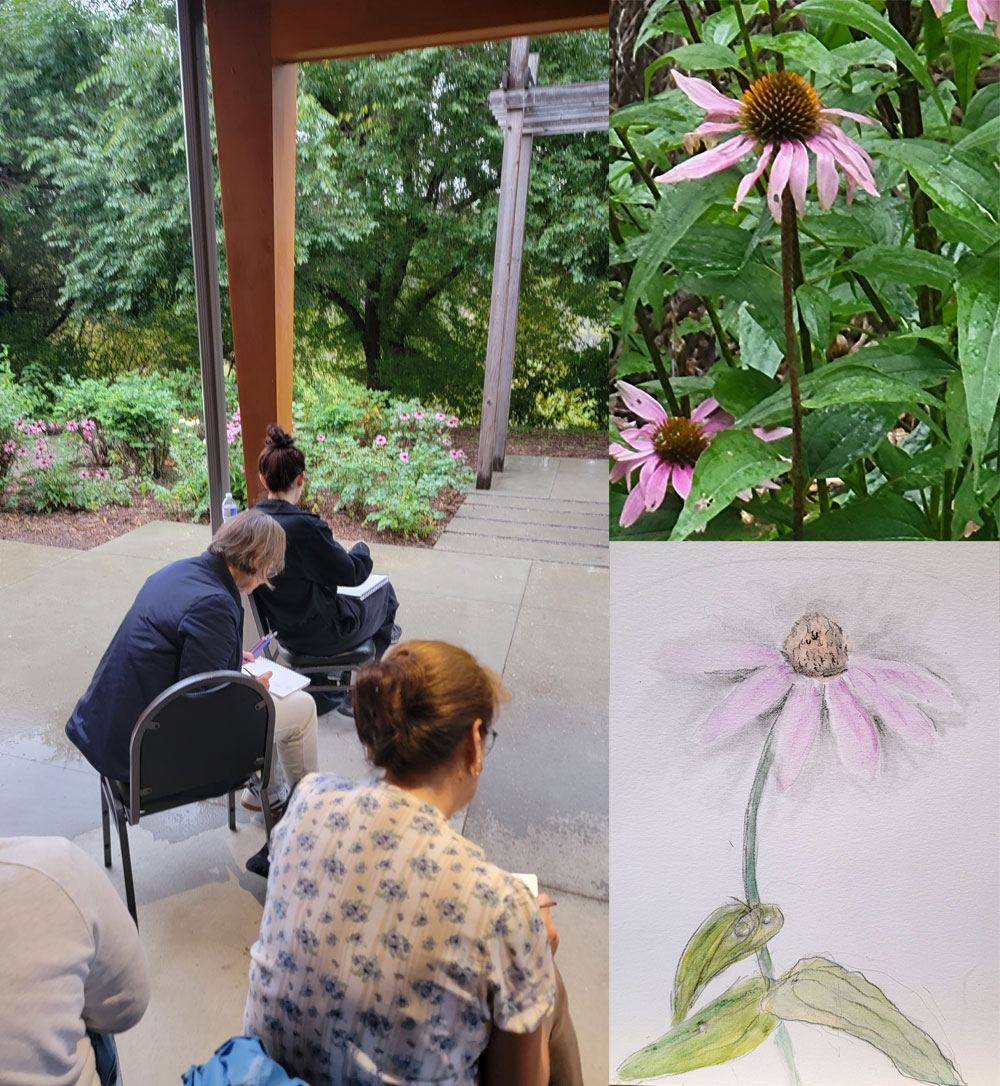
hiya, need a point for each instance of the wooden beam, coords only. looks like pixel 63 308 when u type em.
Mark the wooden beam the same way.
pixel 255 134
pixel 509 171
pixel 550 111
pixel 314 29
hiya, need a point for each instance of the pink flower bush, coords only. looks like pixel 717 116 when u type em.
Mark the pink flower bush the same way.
pixel 404 415
pixel 321 437
pixel 405 457
pixel 440 416
pixel 380 439
pixel 453 421
pixel 102 475
pixel 665 449
pixel 418 415
pixel 781 119
pixel 816 678
pixel 84 474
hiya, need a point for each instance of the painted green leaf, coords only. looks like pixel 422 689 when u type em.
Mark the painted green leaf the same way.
pixel 913 266
pixel 820 991
pixel 734 461
pixel 881 516
pixel 731 933
pixel 722 1030
pixel 979 357
pixel 836 436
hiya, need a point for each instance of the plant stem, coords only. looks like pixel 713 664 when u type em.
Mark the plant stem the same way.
pixel 720 334
pixel 692 26
pixel 637 162
pixel 646 328
pixel 751 59
pixel 789 244
pixel 946 499
pixel 824 495
pixel 753 895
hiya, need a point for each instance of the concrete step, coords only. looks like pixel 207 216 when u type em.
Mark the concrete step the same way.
pixel 543 533
pixel 538 550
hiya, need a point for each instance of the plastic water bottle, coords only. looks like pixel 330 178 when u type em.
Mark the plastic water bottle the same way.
pixel 229 507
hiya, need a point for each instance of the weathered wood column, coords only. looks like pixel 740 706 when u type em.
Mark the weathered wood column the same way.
pixel 255 132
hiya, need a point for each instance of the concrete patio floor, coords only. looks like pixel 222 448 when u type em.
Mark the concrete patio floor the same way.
pixel 542 805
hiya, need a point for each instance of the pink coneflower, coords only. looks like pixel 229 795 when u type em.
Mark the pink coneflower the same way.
pixel 979 12
pixel 459 454
pixel 404 415
pixel 84 474
pixel 665 449
pixel 440 416
pixel 453 421
pixel 811 679
pixel 72 425
pixel 418 415
pixel 102 475
pixel 405 457
pixel 781 117
pixel 445 439
pixel 321 437
pixel 380 439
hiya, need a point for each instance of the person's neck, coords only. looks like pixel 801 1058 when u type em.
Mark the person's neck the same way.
pixel 442 790
pixel 289 496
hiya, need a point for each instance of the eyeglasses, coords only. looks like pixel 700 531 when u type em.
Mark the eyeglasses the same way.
pixel 488 740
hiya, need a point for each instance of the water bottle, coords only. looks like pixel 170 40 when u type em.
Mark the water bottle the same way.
pixel 229 507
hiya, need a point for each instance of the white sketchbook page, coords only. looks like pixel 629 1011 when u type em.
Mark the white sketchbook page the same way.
pixel 366 588
pixel 899 879
pixel 283 680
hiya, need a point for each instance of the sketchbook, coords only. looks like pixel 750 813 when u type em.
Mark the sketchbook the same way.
pixel 283 680
pixel 365 589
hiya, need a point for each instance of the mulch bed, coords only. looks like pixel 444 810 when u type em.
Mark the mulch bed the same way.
pixel 83 530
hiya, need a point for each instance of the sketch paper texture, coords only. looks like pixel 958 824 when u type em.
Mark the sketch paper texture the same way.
pixel 890 868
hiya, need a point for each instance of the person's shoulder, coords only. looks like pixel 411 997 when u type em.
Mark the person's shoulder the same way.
pixel 55 860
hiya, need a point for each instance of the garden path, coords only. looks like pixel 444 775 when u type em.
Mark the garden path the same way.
pixel 542 804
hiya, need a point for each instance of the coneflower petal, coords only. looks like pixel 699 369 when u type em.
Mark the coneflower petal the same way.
pixel 703 94
pixel 719 158
pixel 654 483
pixel 827 181
pixel 641 403
pixel 859 117
pixel 704 409
pixel 779 179
pixel 798 177
pixel 751 178
pixel 633 507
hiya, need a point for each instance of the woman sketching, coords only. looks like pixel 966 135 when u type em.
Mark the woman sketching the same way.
pixel 302 603
pixel 390 950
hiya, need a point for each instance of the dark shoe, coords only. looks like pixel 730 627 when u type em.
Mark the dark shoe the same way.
pixel 326 701
pixel 397 633
pixel 260 863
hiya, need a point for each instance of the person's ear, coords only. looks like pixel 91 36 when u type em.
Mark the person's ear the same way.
pixel 301 480
pixel 263 481
pixel 476 747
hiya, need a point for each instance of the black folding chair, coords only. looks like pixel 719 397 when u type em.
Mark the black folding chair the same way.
pixel 325 672
pixel 205 736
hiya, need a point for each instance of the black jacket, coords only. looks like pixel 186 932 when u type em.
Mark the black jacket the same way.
pixel 304 597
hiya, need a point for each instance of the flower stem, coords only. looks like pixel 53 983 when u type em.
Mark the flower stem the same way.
pixel 751 59
pixel 637 162
pixel 753 895
pixel 720 334
pixel 789 245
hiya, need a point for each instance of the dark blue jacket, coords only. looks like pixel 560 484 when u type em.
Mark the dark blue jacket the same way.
pixel 187 618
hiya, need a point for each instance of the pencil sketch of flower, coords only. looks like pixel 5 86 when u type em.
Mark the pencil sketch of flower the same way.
pixel 782 120
pixel 816 678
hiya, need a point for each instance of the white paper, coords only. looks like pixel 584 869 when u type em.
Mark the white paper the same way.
pixel 283 680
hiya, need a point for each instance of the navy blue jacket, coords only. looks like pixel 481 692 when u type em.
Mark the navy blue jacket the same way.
pixel 187 618
pixel 304 597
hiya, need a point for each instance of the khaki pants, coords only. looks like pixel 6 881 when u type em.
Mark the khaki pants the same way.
pixel 564 1052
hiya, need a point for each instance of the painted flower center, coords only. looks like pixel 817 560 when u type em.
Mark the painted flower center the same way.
pixel 816 647
pixel 679 441
pixel 781 106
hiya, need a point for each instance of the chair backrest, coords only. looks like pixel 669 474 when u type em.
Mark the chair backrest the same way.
pixel 203 736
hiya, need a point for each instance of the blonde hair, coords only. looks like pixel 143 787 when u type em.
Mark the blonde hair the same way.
pixel 251 542
pixel 414 707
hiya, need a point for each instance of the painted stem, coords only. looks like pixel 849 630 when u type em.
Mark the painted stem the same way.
pixel 753 895
pixel 789 245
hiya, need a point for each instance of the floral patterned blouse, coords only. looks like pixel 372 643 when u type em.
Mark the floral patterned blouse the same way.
pixel 389 947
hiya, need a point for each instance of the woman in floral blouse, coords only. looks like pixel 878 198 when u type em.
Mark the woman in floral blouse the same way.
pixel 390 950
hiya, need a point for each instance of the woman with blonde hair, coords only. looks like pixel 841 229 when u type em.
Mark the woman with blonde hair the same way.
pixel 390 950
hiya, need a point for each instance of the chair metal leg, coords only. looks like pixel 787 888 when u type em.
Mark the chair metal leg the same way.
pixel 126 863
pixel 232 810
pixel 105 826
pixel 265 810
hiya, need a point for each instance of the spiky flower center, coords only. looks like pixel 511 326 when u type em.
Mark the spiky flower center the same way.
pixel 679 441
pixel 781 106
pixel 817 648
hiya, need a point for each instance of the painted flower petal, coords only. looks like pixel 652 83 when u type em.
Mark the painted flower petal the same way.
pixel 719 158
pixel 798 176
pixel 751 699
pixel 854 732
pixel 916 681
pixel 703 94
pixel 681 479
pixel 895 712
pixel 641 403
pixel 683 658
pixel 704 409
pixel 795 731
pixel 653 479
pixel 779 179
pixel 633 507
pixel 751 178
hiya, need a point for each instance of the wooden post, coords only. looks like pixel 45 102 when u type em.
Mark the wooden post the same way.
pixel 509 172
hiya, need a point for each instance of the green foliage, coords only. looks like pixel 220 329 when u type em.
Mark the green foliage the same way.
pixel 899 435
pixel 187 489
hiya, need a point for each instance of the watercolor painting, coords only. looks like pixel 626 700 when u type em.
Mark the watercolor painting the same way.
pixel 804 838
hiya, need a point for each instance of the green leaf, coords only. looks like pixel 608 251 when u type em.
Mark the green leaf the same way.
pixel 820 991
pixel 882 516
pixel 913 266
pixel 671 106
pixel 979 357
pixel 736 460
pixel 757 349
pixel 740 390
pixel 970 502
pixel 814 305
pixel 804 49
pixel 836 436
pixel 984 106
pixel 965 57
pixel 855 13
pixel 861 384
pixel 632 362
pixel 650 526
pixel 954 185
pixel 703 56
pixel 988 135
pixel 722 1030
pixel 731 933
pixel 679 207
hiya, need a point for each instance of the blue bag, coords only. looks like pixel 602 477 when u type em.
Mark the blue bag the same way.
pixel 241 1061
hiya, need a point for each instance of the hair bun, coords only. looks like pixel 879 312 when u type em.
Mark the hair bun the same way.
pixel 278 438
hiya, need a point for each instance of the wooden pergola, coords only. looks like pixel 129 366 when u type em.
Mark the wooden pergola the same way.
pixel 255 47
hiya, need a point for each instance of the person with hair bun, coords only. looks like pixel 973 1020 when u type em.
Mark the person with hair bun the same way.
pixel 302 603
pixel 390 950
